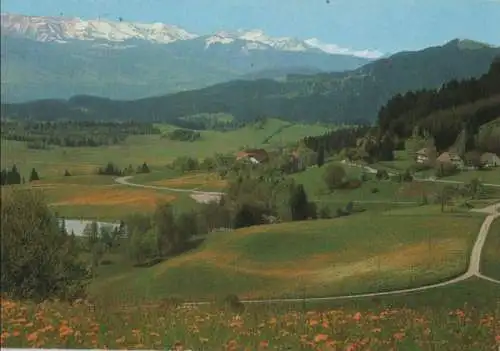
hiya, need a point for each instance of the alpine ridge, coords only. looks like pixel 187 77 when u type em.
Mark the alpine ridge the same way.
pixel 63 29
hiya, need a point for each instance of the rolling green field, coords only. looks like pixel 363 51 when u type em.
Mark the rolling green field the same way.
pixel 154 150
pixel 491 254
pixel 360 253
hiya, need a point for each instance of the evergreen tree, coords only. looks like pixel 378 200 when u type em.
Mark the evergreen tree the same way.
pixel 3 177
pixel 13 176
pixel 34 175
pixel 63 227
pixel 299 205
pixel 320 161
pixel 91 232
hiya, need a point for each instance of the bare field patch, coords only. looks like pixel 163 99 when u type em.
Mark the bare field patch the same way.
pixel 114 196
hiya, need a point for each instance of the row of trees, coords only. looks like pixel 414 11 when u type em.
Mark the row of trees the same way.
pixel 183 135
pixel 13 176
pixel 113 170
pixel 40 135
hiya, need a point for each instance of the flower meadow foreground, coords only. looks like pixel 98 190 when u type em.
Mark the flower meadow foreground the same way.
pixel 56 324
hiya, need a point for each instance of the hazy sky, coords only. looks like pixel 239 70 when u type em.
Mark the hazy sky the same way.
pixel 384 25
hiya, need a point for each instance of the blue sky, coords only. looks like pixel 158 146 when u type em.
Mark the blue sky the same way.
pixel 384 25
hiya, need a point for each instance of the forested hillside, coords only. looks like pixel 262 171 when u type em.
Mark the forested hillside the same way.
pixel 469 108
pixel 445 112
pixel 335 97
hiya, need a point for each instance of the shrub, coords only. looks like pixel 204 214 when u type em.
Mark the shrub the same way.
pixel 334 176
pixel 233 303
pixel 375 190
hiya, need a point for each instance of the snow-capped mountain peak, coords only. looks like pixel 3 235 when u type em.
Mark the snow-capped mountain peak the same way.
pixel 64 29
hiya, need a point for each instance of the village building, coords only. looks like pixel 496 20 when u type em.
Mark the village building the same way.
pixel 489 159
pixel 255 156
pixel 451 158
pixel 426 155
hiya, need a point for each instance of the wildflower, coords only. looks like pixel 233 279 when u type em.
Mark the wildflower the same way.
pixel 320 337
pixel 357 316
pixel 399 336
pixel 32 337
pixel 264 344
pixel 64 330
pixel 497 339
pixel 376 330
pixel 120 340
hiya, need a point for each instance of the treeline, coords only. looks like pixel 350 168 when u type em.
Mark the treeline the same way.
pixel 183 135
pixel 336 140
pixel 40 135
pixel 13 176
pixel 444 112
pixel 207 122
pixel 112 169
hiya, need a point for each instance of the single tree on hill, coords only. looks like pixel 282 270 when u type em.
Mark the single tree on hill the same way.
pixel 334 176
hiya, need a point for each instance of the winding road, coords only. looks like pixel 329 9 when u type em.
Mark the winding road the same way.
pixel 197 195
pixel 473 270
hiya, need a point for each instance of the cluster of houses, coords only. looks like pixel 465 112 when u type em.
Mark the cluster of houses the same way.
pixel 470 160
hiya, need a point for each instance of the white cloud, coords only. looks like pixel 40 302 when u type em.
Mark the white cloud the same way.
pixel 335 49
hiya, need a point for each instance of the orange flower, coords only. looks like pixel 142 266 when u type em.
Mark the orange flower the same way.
pixel 64 330
pixel 399 336
pixel 32 337
pixel 320 337
pixel 264 344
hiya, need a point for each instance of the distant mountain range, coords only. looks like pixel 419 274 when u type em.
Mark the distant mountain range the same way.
pixel 58 57
pixel 351 96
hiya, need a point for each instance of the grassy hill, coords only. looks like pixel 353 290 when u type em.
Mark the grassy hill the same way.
pixel 341 97
pixel 354 254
